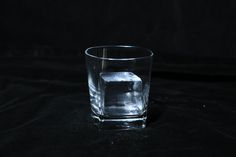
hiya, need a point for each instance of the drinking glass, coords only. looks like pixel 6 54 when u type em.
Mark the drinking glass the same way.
pixel 119 82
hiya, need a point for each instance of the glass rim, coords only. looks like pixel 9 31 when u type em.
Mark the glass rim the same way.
pixel 119 46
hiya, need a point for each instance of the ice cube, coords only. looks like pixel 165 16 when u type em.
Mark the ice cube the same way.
pixel 121 94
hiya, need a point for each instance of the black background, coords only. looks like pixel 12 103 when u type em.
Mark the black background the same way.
pixel 44 103
pixel 195 28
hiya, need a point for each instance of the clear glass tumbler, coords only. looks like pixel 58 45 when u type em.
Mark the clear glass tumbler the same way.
pixel 119 82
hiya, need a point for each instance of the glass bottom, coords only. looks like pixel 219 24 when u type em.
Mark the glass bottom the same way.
pixel 123 123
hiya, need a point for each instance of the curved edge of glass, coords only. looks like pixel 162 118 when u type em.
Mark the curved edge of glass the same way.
pixel 118 46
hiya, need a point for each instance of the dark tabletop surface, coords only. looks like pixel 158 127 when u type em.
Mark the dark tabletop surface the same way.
pixel 44 111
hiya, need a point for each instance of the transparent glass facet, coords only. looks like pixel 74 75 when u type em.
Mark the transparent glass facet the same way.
pixel 119 82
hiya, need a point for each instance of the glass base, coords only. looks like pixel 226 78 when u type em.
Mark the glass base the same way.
pixel 126 123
